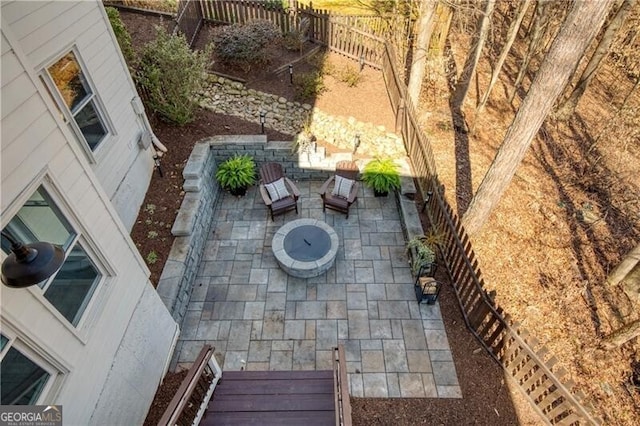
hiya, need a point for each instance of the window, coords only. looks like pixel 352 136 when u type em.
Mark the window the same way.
pixel 21 379
pixel 71 288
pixel 76 93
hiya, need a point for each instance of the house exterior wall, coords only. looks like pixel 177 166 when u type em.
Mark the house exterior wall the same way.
pixel 106 368
pixel 44 32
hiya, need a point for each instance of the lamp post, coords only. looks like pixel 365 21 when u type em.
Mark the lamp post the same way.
pixel 356 142
pixel 30 264
pixel 263 118
pixel 291 73
pixel 427 197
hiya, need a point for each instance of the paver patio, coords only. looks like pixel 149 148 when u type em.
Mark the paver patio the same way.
pixel 259 318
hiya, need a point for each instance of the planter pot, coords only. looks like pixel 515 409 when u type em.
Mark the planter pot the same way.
pixel 380 193
pixel 239 192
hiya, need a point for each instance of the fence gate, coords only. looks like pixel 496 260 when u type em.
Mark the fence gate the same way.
pixel 189 20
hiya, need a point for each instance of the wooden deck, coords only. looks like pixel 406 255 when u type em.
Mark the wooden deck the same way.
pixel 273 398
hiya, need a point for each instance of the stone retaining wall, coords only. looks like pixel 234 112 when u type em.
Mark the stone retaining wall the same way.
pixel 190 229
pixel 229 97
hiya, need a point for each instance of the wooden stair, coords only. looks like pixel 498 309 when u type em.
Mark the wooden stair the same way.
pixel 273 398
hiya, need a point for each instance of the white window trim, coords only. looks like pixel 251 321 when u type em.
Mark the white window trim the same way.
pixel 103 289
pixel 68 117
pixel 38 353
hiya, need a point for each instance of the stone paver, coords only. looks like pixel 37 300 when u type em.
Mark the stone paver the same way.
pixel 259 318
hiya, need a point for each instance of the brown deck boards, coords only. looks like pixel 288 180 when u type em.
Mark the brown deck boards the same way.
pixel 272 398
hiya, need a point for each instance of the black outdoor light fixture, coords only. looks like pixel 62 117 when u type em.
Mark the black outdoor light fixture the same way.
pixel 291 73
pixel 356 142
pixel 263 118
pixel 30 264
pixel 361 62
pixel 427 197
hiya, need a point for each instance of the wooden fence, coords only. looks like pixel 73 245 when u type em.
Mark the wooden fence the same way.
pixel 357 37
pixel 523 359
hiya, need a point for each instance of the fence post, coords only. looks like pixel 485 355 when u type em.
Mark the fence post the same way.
pixel 400 114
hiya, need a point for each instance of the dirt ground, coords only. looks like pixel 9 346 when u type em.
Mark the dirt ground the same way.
pixel 568 217
pixel 487 398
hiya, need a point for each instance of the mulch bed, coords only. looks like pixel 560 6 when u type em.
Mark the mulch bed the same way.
pixel 486 398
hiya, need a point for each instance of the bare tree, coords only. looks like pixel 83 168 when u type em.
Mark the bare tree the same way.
pixel 472 60
pixel 569 105
pixel 511 36
pixel 578 30
pixel 621 336
pixel 624 267
pixel 540 21
pixel 425 29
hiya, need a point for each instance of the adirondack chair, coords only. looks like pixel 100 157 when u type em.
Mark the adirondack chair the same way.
pixel 278 191
pixel 334 197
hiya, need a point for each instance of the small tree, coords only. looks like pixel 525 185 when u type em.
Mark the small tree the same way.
pixel 122 35
pixel 172 74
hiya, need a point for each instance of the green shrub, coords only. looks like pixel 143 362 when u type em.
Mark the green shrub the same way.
pixel 236 174
pixel 292 40
pixel 172 74
pixel 349 75
pixel 308 85
pixel 122 35
pixel 245 45
pixel 382 175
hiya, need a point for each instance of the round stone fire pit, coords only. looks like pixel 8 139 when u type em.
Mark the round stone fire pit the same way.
pixel 305 248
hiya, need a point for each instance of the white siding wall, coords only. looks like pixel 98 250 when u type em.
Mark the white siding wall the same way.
pixel 45 31
pixel 100 384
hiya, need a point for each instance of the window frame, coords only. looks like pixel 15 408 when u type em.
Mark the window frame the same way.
pixel 101 288
pixel 32 351
pixel 68 116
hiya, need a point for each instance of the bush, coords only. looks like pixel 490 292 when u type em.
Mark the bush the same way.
pixel 122 35
pixel 172 74
pixel 308 85
pixel 245 45
pixel 349 75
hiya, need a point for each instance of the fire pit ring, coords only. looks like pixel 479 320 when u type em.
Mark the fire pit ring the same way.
pixel 305 248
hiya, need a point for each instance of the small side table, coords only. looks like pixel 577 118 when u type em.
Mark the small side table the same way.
pixel 427 289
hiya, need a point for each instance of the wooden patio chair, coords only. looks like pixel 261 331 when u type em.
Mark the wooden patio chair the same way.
pixel 336 197
pixel 278 192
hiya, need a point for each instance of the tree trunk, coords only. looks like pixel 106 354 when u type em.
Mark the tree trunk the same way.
pixel 472 60
pixel 444 14
pixel 511 36
pixel 425 28
pixel 568 107
pixel 578 30
pixel 624 267
pixel 538 25
pixel 621 336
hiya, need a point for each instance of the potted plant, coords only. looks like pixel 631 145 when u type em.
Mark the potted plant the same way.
pixel 423 256
pixel 381 175
pixel 236 174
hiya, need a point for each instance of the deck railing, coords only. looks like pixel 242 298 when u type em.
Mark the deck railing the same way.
pixel 190 401
pixel 341 387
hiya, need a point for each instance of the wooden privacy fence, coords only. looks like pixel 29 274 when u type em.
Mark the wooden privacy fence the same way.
pixel 520 355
